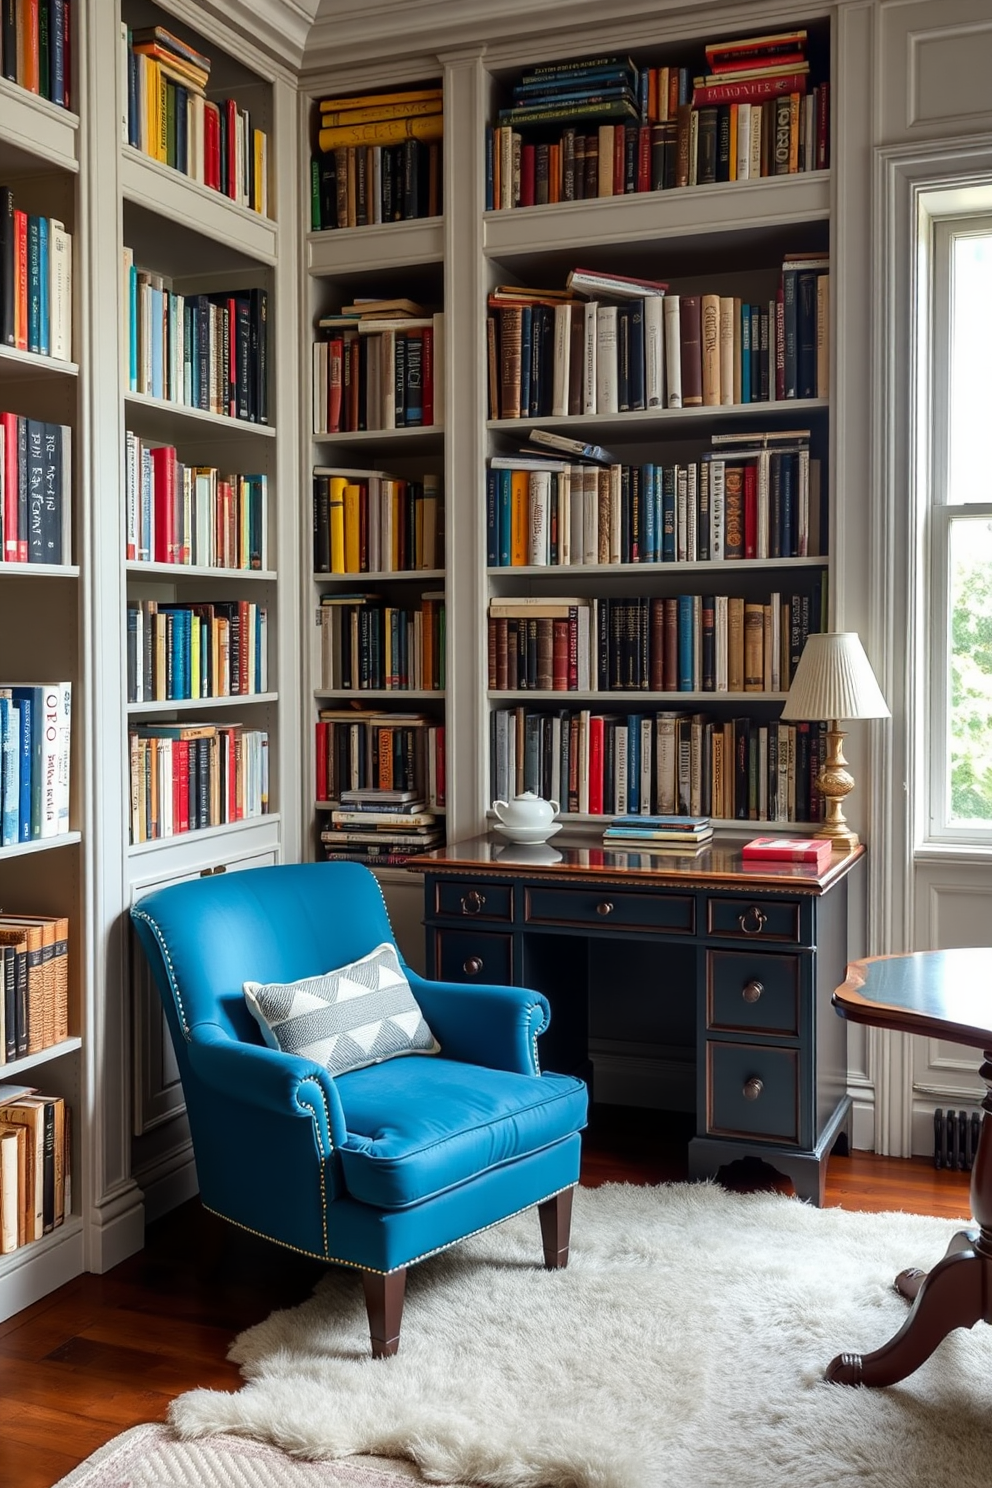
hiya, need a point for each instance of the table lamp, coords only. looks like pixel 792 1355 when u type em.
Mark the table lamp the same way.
pixel 834 681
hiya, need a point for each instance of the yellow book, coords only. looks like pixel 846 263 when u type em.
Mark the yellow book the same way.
pixel 336 502
pixel 519 485
pixel 352 551
pixel 261 201
pixel 385 132
pixel 376 112
pixel 378 100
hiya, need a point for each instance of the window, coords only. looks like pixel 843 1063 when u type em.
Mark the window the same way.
pixel 958 609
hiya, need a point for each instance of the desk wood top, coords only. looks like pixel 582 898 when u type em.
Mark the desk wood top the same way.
pixel 718 864
pixel 944 994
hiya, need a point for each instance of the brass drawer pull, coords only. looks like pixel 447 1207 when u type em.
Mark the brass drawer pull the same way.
pixel 753 1088
pixel 472 902
pixel 752 991
pixel 472 966
pixel 752 921
pixel 604 907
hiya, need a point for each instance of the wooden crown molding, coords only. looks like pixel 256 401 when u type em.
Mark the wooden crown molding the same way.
pixel 280 28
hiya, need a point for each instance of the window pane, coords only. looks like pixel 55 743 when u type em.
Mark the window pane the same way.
pixel 971 368
pixel 970 722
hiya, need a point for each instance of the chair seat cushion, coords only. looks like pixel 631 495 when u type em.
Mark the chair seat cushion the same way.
pixel 417 1127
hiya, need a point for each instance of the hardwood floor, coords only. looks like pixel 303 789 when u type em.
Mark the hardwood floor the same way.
pixel 107 1352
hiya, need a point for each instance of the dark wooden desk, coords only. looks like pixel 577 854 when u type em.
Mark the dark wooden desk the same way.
pixel 944 994
pixel 733 962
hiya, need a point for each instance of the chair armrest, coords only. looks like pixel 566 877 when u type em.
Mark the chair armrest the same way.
pixel 494 1026
pixel 260 1076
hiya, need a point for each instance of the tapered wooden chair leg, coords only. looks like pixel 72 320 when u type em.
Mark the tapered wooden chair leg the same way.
pixel 384 1305
pixel 556 1224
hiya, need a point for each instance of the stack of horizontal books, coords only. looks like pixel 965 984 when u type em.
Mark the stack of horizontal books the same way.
pixel 663 833
pixel 814 851
pixel 382 828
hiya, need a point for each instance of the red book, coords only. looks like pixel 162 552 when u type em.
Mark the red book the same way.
pixel 427 374
pixel 813 850
pixel 180 785
pixel 21 279
pixel 211 145
pixel 644 158
pixel 596 765
pixel 335 378
pixel 12 549
pixel 164 504
pixel 751 90
pixel 559 655
pixel 321 761
pixel 619 159
pixel 230 186
pixel 750 511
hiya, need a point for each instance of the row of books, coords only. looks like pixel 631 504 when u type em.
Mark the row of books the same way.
pixel 380 828
pixel 192 514
pixel 35 281
pixel 365 185
pixel 169 117
pixel 35 1165
pixel 36 48
pixel 725 141
pixel 34 984
pixel 550 353
pixel 690 764
pixel 682 643
pixel 365 521
pixel 377 158
pixel 35 738
pixel 200 649
pixel 202 351
pixel 367 749
pixel 736 502
pixel 377 374
pixel 35 490
pixel 367 643
pixel 185 777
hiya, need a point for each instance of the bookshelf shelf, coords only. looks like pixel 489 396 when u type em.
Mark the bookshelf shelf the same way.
pixel 177 572
pixel 612 699
pixel 347 251
pixel 267 824
pixel 39 845
pixel 208 704
pixel 23 364
pixel 164 191
pixel 14 1068
pixel 390 576
pixel 638 423
pixel 156 419
pixel 712 216
pixel 380 694
pixel 32 129
pixel 428 438
pixel 39 570
pixel 572 572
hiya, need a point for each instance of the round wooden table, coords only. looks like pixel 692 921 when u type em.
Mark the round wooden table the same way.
pixel 944 994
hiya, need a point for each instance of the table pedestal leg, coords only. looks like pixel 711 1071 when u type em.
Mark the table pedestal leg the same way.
pixel 957 1293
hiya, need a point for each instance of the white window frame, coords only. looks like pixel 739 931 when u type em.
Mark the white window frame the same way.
pixel 946 216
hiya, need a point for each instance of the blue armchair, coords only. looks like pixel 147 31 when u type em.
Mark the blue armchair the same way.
pixel 382 1166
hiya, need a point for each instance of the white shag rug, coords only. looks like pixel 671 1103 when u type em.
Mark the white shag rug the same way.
pixel 683 1347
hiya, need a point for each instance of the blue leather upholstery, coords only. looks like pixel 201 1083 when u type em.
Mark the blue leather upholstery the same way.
pixel 379 1167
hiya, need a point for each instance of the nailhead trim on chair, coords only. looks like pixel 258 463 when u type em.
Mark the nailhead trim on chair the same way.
pixel 142 915
pixel 414 1260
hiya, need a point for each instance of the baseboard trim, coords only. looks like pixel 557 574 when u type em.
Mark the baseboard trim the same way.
pixel 37 1269
pixel 168 1182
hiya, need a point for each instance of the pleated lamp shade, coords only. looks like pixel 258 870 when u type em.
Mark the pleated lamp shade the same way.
pixel 834 680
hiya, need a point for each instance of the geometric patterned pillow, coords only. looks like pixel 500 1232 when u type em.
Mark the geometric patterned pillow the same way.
pixel 359 1014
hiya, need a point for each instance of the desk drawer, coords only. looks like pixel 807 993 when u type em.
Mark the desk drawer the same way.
pixel 606 909
pixel 753 993
pixel 754 919
pixel 470 956
pixel 474 899
pixel 752 1091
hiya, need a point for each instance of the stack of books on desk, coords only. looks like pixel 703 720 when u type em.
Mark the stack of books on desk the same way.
pixel 382 828
pixel 664 833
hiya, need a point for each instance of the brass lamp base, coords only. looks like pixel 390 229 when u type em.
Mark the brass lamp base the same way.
pixel 834 782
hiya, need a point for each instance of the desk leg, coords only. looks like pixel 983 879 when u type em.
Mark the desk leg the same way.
pixel 957 1293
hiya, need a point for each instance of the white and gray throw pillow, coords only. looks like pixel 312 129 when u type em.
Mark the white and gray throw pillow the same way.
pixel 357 1015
